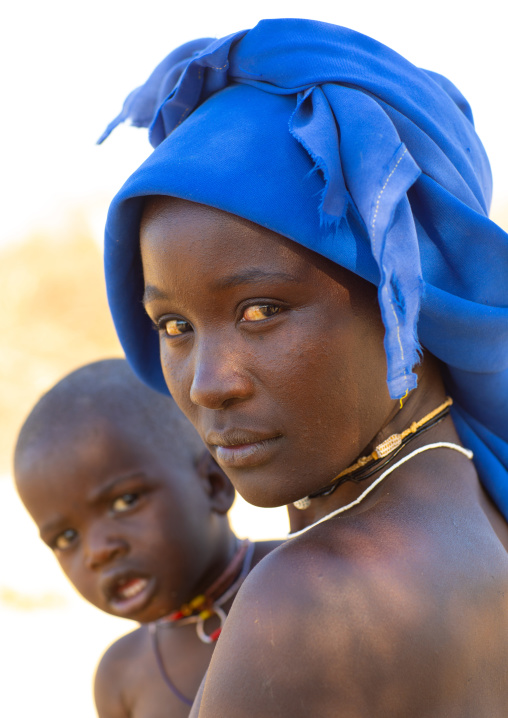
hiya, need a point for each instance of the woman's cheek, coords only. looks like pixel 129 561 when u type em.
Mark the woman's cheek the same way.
pixel 177 371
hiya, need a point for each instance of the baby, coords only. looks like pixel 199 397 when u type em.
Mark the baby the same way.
pixel 135 510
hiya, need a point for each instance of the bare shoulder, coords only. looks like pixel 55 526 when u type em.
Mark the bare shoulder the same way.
pixel 356 627
pixel 112 674
pixel 293 634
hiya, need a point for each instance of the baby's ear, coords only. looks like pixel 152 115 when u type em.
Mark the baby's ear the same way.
pixel 218 487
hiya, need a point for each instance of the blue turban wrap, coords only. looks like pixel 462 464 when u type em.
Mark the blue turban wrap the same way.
pixel 333 140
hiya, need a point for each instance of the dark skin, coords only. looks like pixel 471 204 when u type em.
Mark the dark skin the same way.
pixel 396 608
pixel 138 532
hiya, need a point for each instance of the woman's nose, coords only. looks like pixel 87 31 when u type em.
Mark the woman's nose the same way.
pixel 220 377
pixel 101 550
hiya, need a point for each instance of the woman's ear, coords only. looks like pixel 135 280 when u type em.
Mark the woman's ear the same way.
pixel 218 487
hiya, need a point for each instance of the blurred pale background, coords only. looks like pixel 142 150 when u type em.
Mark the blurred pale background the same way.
pixel 66 68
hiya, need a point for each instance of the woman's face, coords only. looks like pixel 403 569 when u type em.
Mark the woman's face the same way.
pixel 274 353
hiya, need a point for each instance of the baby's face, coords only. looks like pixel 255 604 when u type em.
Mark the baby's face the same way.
pixel 128 525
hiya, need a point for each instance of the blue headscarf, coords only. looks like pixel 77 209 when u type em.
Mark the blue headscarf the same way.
pixel 333 140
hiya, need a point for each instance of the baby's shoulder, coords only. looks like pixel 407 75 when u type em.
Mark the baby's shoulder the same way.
pixel 124 650
pixel 114 671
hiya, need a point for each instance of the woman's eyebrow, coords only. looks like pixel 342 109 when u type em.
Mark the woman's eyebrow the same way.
pixel 247 276
pixel 251 276
pixel 152 293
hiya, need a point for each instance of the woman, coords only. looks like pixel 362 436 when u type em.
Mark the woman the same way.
pixel 301 170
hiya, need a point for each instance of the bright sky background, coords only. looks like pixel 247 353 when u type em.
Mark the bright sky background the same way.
pixel 67 66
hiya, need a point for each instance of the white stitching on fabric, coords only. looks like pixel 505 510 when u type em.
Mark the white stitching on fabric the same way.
pixel 374 246
pixel 379 199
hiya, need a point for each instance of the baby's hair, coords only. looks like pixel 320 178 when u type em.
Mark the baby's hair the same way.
pixel 110 390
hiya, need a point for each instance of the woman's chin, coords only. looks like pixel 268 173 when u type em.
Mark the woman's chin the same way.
pixel 263 489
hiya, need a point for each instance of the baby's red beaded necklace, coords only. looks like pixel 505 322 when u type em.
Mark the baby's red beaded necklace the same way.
pixel 204 606
pixel 210 603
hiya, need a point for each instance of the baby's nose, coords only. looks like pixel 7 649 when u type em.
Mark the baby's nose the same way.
pixel 100 553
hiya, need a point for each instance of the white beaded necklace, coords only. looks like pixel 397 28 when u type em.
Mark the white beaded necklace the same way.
pixel 427 447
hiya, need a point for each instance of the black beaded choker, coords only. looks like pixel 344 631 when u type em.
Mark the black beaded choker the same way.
pixel 383 454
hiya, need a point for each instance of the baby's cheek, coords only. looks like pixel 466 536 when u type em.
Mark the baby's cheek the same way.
pixel 76 573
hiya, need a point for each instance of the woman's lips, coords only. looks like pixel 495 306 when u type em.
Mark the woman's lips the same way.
pixel 245 455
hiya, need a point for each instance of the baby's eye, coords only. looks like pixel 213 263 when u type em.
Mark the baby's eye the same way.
pixel 65 539
pixel 174 327
pixel 257 312
pixel 124 502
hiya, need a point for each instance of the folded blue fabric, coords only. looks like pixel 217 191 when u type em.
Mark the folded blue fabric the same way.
pixel 335 141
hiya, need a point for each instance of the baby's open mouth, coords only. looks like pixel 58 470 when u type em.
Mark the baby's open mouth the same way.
pixel 129 594
pixel 128 588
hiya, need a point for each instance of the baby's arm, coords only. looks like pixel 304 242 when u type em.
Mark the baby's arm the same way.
pixel 109 678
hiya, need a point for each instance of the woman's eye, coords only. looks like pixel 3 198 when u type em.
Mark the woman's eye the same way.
pixel 124 502
pixel 174 327
pixel 65 539
pixel 257 312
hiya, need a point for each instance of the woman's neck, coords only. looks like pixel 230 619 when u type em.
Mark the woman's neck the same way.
pixel 421 403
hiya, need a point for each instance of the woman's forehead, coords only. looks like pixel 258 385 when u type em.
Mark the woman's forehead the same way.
pixel 170 213
pixel 201 234
pixel 177 235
